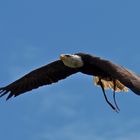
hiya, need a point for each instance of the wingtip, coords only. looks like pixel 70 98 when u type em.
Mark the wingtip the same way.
pixel 9 96
pixel 3 92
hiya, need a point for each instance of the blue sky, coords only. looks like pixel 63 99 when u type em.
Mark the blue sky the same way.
pixel 36 32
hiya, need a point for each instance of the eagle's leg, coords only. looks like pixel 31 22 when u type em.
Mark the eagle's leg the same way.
pixel 114 95
pixel 102 86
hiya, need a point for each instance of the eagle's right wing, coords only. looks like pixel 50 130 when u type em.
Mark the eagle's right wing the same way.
pixel 45 75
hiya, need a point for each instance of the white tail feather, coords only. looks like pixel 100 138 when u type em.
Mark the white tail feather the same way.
pixel 108 84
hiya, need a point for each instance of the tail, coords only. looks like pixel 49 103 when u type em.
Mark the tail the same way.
pixel 109 84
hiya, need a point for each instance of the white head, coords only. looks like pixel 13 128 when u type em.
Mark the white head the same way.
pixel 71 60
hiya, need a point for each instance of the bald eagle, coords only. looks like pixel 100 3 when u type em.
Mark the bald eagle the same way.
pixel 106 74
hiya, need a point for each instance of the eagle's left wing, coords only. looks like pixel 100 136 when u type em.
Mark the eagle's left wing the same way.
pixel 125 76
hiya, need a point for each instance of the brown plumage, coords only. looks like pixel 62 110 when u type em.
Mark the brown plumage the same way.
pixel 107 75
pixel 45 75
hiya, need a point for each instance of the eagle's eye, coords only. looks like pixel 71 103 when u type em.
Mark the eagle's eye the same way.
pixel 67 55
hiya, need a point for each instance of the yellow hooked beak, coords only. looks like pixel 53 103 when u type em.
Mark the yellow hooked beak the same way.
pixel 63 57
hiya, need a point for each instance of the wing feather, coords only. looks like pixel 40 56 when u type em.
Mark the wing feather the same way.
pixel 45 75
pixel 125 76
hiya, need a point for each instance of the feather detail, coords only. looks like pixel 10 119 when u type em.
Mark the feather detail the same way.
pixel 109 84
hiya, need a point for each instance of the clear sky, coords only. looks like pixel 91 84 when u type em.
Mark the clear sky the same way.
pixel 36 32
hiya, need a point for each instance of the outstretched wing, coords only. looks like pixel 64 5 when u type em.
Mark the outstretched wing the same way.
pixel 45 75
pixel 125 76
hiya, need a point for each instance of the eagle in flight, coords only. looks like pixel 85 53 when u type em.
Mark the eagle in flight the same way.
pixel 106 74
